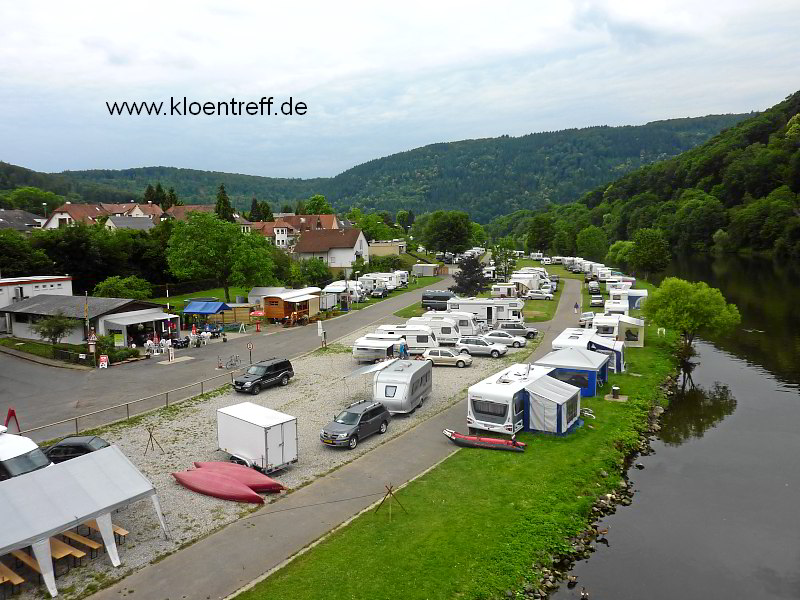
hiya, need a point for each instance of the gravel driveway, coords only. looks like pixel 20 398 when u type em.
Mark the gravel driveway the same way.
pixel 187 433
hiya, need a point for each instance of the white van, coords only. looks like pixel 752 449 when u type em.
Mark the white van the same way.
pixel 366 349
pixel 19 455
pixel 467 322
pixel 446 330
pixel 404 385
pixel 418 338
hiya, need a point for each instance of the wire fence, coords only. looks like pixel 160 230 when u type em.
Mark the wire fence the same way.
pixel 126 410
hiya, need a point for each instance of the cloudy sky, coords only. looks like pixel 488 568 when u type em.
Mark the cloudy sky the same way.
pixel 377 79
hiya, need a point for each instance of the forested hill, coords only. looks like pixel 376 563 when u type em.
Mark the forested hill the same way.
pixel 486 177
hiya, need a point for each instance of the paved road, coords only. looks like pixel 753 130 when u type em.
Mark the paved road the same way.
pixel 254 546
pixel 42 394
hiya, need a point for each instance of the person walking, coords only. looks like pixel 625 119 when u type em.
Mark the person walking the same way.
pixel 576 307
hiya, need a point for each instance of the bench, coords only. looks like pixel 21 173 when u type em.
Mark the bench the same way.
pixel 94 547
pixel 119 533
pixel 8 576
pixel 61 550
pixel 28 560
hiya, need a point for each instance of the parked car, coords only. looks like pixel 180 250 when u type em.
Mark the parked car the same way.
pixel 264 373
pixel 518 329
pixel 506 338
pixel 447 357
pixel 597 301
pixel 538 295
pixel 586 319
pixel 356 423
pixel 380 292
pixel 19 455
pixel 480 346
pixel 554 278
pixel 73 447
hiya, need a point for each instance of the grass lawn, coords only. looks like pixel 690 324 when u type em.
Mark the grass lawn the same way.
pixel 477 522
pixel 542 310
pixel 178 301
pixel 421 282
pixel 414 310
pixel 43 349
pixel 554 269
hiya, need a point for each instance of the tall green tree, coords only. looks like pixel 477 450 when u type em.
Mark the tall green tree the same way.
pixel 255 211
pixel 266 211
pixel 504 258
pixel 300 208
pixel 540 233
pixel 619 254
pixel 650 251
pixel 223 208
pixel 204 246
pixel 132 287
pixel 592 243
pixel 447 230
pixel 55 328
pixel 469 278
pixel 286 208
pixel 318 205
pixel 311 271
pixel 159 194
pixel 171 199
pixel 402 219
pixel 18 258
pixel 150 194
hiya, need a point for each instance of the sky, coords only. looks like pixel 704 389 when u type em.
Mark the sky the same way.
pixel 377 78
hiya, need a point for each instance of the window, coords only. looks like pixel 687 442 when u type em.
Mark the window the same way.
pixel 446 353
pixel 422 339
pixel 454 306
pixel 493 412
pixel 446 330
pixel 572 408
pixel 435 353
pixel 59 285
pixel 21 318
pixel 519 402
pixel 390 391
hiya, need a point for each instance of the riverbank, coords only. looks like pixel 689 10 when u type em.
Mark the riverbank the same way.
pixel 482 524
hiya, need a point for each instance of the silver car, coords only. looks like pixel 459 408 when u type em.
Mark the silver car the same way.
pixel 586 319
pixel 472 344
pixel 597 301
pixel 448 357
pixel 506 338
pixel 538 295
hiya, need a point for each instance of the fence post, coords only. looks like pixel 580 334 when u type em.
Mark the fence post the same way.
pixel 127 410
pixel 166 398
pixel 201 388
pixel 76 425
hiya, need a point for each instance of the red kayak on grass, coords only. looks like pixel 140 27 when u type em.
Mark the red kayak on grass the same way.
pixel 474 441
pixel 217 484
pixel 255 480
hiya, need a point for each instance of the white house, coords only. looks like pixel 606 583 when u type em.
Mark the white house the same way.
pixel 16 289
pixel 338 248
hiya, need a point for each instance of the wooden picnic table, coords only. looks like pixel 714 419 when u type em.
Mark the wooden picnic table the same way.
pixel 118 531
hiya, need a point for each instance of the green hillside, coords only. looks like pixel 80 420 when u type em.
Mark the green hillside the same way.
pixel 486 177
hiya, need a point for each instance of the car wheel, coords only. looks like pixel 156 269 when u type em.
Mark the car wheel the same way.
pixel 255 389
pixel 285 380
pixel 531 335
pixel 495 354
pixel 384 427
pixel 461 364
pixel 353 443
pixel 517 345
pixel 464 351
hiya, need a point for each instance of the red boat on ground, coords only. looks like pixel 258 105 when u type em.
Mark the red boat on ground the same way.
pixel 474 441
pixel 217 484
pixel 255 480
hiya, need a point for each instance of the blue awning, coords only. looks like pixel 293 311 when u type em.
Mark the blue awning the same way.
pixel 205 308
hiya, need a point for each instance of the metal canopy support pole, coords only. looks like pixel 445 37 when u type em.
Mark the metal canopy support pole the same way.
pixel 107 533
pixel 41 550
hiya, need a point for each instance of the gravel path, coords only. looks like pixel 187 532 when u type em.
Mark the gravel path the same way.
pixel 188 432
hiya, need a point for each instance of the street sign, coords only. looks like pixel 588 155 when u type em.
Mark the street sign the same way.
pixel 320 330
pixel 103 363
pixel 250 346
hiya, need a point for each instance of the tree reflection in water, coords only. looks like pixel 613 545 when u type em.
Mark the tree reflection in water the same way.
pixel 695 410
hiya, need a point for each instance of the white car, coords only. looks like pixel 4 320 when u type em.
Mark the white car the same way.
pixel 597 301
pixel 508 339
pixel 586 319
pixel 538 295
pixel 19 455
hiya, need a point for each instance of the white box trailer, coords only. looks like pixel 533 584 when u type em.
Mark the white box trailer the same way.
pixel 257 436
pixel 368 349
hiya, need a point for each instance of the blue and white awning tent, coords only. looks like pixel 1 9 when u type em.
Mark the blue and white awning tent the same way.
pixel 205 308
pixel 553 406
pixel 582 368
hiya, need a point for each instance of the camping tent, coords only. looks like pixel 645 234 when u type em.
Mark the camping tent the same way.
pixel 582 368
pixel 43 503
pixel 636 298
pixel 553 406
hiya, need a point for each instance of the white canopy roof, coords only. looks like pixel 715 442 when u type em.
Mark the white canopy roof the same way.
pixel 371 368
pixel 122 319
pixel 574 358
pixel 552 389
pixel 302 298
pixel 631 320
pixel 256 414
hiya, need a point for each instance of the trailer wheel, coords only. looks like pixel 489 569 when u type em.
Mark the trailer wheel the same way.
pixel 461 364
pixel 353 442
pixel 255 389
pixel 495 354
pixel 384 427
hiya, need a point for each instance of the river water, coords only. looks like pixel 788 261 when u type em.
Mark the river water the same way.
pixel 717 507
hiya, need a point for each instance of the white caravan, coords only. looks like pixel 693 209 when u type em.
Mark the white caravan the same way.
pixel 402 277
pixel 446 330
pixel 403 385
pixel 504 290
pixel 366 349
pixel 536 256
pixel 418 338
pixel 489 310
pixel 368 282
pixel 467 322
pixel 390 280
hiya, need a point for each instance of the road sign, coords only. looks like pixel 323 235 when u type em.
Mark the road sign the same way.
pixel 320 330
pixel 250 345
pixel 103 363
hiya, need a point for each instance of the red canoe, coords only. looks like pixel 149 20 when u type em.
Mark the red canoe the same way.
pixel 256 481
pixel 474 441
pixel 214 483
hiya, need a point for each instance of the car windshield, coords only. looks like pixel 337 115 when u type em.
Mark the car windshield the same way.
pixel 98 443
pixel 256 370
pixel 25 463
pixel 347 418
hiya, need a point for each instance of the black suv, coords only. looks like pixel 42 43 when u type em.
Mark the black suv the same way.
pixel 360 420
pixel 264 373
pixel 73 447
pixel 436 299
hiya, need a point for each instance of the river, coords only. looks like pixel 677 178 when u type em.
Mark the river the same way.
pixel 716 510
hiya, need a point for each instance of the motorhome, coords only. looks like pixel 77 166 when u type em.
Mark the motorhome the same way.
pixel 547 261
pixel 557 260
pixel 368 282
pixel 490 273
pixel 446 329
pixel 436 299
pixel 403 385
pixel 489 310
pixel 402 277
pixel 418 338
pixel 616 308
pixel 504 290
pixel 354 288
pixel 390 280
pixel 536 256
pixel 604 274
pixel 467 322
pixel 366 349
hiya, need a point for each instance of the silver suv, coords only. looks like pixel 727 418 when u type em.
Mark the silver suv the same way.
pixel 478 345
pixel 518 329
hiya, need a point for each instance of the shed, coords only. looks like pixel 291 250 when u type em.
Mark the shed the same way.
pixel 43 503
pixel 582 368
pixel 236 313
pixel 423 269
pixel 553 406
pixel 292 304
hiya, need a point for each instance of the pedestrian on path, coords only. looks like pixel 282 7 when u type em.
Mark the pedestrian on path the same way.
pixel 576 307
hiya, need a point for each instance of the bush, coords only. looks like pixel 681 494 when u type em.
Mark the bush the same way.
pixel 105 345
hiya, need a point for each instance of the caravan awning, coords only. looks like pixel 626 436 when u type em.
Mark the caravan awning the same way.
pixel 552 389
pixel 371 368
pixel 135 319
pixel 205 308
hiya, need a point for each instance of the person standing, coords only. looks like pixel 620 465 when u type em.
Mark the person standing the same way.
pixel 577 306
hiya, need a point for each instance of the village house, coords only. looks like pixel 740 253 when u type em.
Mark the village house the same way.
pixel 338 248
pixel 19 220
pixel 17 289
pixel 126 222
pixel 387 248
pixel 181 213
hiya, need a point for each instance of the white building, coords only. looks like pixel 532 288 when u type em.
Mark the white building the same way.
pixel 16 289
pixel 338 248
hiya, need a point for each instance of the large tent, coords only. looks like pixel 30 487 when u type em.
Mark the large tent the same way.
pixel 577 337
pixel 580 367
pixel 621 328
pixel 43 503
pixel 553 406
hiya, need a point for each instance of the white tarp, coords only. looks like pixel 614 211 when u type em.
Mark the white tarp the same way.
pixel 574 358
pixel 140 318
pixel 43 503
